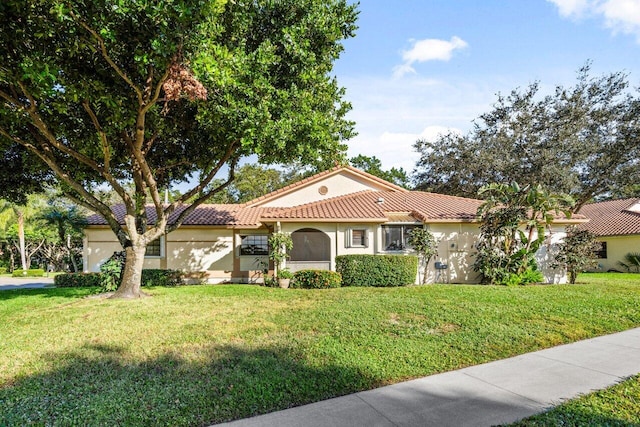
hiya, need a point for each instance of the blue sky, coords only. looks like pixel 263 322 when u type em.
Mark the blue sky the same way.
pixel 419 67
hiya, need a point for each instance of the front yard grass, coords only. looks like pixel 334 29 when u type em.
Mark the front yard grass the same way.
pixel 617 406
pixel 198 355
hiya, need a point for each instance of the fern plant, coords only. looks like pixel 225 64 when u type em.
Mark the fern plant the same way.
pixel 631 262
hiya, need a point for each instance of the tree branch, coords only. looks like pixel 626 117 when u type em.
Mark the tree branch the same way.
pixel 110 61
pixel 183 215
pixel 90 200
pixel 106 151
pixel 209 177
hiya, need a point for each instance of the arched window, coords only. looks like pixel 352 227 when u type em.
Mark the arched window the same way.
pixel 310 244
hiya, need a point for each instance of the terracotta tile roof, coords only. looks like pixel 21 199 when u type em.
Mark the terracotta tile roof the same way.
pixel 317 177
pixel 383 206
pixel 207 214
pixel 364 206
pixel 612 218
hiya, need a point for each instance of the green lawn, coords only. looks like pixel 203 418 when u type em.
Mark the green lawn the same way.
pixel 203 354
pixel 617 406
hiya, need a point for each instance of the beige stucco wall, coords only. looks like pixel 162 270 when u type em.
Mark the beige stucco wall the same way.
pixel 336 185
pixel 201 250
pixel 456 249
pixel 216 251
pixel 188 249
pixel 99 245
pixel 617 248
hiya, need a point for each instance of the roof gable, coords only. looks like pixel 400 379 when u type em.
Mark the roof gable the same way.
pixel 336 182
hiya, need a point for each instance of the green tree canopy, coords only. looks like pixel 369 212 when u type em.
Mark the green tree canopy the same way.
pixel 373 165
pixel 580 140
pixel 113 92
pixel 251 181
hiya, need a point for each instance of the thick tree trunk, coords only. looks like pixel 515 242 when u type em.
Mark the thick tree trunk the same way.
pixel 132 273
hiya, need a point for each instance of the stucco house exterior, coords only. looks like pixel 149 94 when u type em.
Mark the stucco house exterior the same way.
pixel 616 223
pixel 339 211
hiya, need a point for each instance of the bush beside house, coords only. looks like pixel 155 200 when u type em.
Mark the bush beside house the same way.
pixel 377 270
pixel 150 277
pixel 77 280
pixel 316 279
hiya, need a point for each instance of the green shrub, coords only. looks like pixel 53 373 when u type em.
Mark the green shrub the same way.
pixel 112 271
pixel 285 274
pixel 158 277
pixel 529 276
pixel 151 277
pixel 377 270
pixel 3 270
pixel 77 280
pixel 33 272
pixel 316 279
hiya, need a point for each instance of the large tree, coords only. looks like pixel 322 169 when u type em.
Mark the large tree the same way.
pixel 373 165
pixel 581 140
pixel 119 92
pixel 251 181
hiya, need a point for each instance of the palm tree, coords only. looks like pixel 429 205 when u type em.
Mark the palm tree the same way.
pixel 18 212
pixel 68 221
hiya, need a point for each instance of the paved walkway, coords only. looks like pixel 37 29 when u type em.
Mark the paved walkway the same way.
pixel 8 283
pixel 494 393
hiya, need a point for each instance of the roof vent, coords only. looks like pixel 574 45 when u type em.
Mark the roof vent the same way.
pixel 380 200
pixel 634 208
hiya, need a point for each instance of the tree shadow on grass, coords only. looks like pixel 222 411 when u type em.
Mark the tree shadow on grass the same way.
pixel 76 293
pixel 103 385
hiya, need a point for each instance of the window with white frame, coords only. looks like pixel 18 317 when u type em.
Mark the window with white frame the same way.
pixel 356 238
pixel 254 244
pixel 396 237
pixel 155 249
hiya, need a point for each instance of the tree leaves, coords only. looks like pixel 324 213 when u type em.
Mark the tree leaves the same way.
pixel 580 140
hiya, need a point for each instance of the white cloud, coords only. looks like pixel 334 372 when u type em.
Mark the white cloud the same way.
pixel 391 118
pixel 428 50
pixel 620 16
pixel 571 8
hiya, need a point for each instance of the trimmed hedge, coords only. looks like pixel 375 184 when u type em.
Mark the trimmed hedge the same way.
pixel 377 270
pixel 158 277
pixel 77 280
pixel 33 272
pixel 316 279
pixel 150 277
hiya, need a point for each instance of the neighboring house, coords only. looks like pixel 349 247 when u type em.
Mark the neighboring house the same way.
pixel 340 211
pixel 617 225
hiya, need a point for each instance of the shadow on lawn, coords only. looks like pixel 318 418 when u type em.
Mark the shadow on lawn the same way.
pixel 103 385
pixel 7 294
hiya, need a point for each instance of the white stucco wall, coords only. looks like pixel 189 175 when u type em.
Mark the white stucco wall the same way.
pixel 546 254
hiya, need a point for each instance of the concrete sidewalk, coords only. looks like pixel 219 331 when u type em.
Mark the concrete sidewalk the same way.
pixel 494 393
pixel 8 283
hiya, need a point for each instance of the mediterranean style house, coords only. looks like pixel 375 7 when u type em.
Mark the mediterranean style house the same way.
pixel 336 212
pixel 616 223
